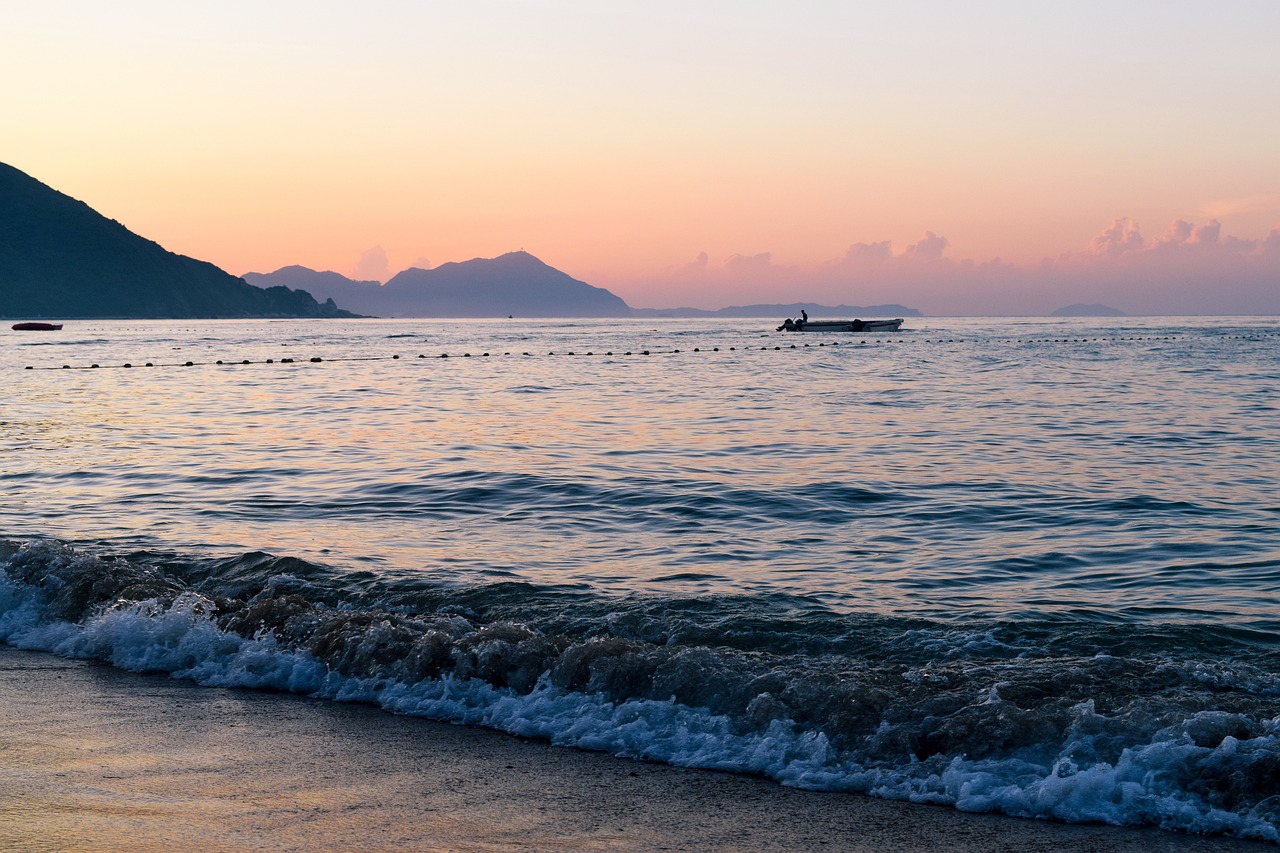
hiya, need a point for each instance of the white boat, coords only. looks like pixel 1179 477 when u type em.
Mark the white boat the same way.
pixel 806 325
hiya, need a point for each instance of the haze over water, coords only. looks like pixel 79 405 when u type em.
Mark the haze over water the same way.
pixel 1022 565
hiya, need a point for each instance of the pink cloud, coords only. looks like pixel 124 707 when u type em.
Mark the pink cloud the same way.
pixel 1190 269
pixel 1122 236
pixel 928 248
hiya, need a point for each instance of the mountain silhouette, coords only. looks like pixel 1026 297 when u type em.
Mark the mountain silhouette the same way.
pixel 515 284
pixel 60 258
pixel 322 285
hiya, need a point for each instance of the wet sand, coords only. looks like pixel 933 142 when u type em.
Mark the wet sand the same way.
pixel 93 758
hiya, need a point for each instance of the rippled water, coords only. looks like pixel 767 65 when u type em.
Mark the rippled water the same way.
pixel 1010 564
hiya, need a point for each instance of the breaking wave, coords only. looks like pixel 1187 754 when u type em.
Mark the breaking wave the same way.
pixel 1169 725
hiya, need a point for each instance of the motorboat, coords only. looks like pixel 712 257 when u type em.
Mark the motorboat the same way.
pixel 806 325
pixel 37 327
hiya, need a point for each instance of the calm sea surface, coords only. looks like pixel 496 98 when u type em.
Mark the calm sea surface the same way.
pixel 1020 565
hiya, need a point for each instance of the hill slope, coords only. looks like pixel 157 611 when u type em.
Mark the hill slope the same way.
pixel 60 258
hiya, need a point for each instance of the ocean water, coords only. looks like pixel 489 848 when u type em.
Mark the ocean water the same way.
pixel 1019 565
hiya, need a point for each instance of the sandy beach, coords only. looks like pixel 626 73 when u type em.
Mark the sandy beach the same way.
pixel 93 758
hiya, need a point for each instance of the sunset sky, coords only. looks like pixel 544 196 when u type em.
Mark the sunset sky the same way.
pixel 961 158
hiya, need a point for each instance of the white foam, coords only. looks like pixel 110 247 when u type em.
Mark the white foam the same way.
pixel 183 639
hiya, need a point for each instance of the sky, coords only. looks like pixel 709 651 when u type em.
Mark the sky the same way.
pixel 986 157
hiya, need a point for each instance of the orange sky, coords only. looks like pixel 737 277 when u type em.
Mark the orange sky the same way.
pixel 620 145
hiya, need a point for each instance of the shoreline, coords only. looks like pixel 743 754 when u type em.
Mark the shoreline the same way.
pixel 95 758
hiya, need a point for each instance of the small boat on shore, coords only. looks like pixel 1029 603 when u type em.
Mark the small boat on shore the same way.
pixel 804 324
pixel 37 327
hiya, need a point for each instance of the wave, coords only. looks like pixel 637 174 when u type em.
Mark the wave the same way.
pixel 1171 726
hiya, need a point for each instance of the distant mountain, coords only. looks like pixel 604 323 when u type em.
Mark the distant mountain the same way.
pixel 515 284
pixel 816 312
pixel 322 285
pixel 60 258
pixel 1089 311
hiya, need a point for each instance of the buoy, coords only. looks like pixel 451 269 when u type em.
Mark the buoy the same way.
pixel 315 359
pixel 190 364
pixel 127 364
pixel 395 357
pixel 93 365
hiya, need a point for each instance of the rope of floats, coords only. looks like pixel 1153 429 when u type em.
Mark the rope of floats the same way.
pixel 646 352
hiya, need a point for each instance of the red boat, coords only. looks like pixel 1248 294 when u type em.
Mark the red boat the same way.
pixel 36 327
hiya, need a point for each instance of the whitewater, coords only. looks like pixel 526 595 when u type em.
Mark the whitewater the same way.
pixel 1017 565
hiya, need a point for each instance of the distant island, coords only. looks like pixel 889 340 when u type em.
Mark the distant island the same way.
pixel 515 284
pixel 1081 310
pixel 59 258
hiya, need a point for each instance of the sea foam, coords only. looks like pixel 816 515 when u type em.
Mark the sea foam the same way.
pixel 1189 768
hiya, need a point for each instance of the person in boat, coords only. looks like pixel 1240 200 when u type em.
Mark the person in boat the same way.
pixel 804 318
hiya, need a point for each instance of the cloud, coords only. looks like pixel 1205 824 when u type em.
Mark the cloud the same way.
pixel 868 254
pixel 928 248
pixel 1122 236
pixel 1192 268
pixel 373 265
pixel 1207 234
pixel 698 264
pixel 749 263
pixel 1179 232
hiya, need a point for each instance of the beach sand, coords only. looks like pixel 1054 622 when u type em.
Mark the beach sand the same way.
pixel 93 758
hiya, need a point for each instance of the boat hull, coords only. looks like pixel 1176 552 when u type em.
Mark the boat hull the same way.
pixel 843 326
pixel 37 327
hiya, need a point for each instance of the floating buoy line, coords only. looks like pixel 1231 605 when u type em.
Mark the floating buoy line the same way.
pixel 874 342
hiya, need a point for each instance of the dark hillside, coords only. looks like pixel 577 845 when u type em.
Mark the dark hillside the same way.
pixel 60 258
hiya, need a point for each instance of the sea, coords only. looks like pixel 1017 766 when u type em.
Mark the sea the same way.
pixel 1027 566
